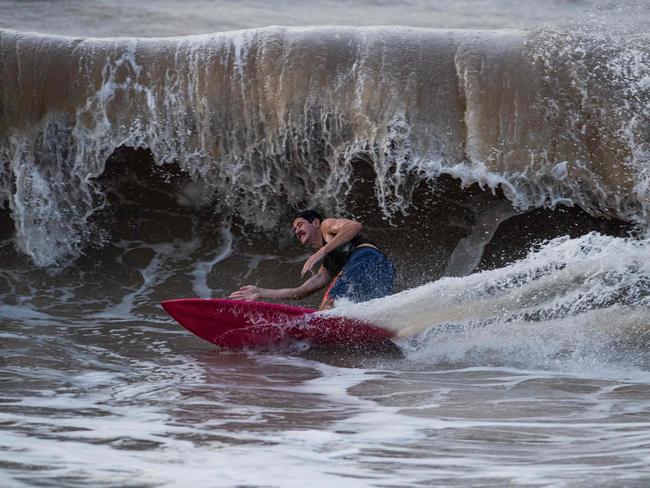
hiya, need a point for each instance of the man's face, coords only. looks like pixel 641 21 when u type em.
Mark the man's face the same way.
pixel 308 233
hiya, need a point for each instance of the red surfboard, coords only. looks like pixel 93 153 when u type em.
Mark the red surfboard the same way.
pixel 237 324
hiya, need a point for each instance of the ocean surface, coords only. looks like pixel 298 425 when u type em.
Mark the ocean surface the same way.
pixel 499 152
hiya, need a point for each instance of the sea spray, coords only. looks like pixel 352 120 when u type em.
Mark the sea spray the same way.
pixel 559 295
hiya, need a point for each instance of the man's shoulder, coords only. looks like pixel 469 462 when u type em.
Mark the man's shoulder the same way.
pixel 330 220
pixel 333 222
pixel 328 224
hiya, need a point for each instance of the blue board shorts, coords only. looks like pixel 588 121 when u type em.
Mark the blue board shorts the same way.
pixel 367 274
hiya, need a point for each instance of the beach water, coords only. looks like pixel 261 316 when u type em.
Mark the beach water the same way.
pixel 498 152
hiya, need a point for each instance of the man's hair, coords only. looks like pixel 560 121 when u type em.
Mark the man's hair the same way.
pixel 309 215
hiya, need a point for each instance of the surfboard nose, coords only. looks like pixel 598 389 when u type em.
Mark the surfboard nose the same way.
pixel 168 306
pixel 172 307
pixel 195 314
pixel 182 308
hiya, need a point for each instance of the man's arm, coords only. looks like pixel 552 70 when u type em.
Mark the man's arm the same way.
pixel 336 232
pixel 312 285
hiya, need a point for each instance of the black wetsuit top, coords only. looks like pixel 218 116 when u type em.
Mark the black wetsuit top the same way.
pixel 336 259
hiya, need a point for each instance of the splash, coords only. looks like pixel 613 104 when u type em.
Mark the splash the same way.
pixel 568 298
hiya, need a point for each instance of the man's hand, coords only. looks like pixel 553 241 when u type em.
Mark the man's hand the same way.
pixel 313 260
pixel 248 292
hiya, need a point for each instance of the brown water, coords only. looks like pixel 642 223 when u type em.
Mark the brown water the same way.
pixel 504 172
pixel 100 387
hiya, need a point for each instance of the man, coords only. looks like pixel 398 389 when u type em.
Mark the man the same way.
pixel 353 267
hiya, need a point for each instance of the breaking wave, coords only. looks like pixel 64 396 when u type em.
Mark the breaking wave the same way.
pixel 265 120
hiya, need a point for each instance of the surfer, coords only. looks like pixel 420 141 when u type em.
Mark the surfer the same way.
pixel 352 266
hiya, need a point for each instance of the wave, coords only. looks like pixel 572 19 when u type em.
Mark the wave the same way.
pixel 269 119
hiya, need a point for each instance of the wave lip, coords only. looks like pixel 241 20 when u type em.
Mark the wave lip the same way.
pixel 275 117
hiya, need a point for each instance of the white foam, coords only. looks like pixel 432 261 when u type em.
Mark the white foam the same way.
pixel 157 271
pixel 203 268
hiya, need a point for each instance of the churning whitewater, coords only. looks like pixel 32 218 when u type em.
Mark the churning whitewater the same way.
pixel 502 165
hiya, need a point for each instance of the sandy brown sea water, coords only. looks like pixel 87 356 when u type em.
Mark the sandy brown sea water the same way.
pixel 503 168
